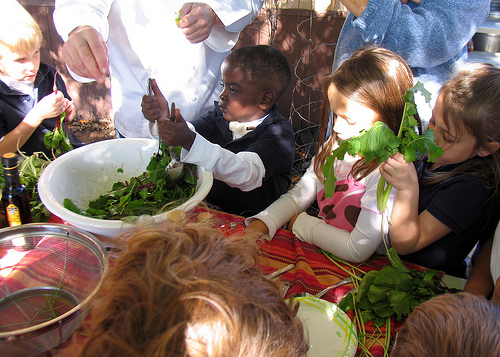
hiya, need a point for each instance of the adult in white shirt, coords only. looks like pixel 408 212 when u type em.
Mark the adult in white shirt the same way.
pixel 132 40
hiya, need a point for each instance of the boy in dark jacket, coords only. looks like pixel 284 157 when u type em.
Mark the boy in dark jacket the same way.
pixel 29 107
pixel 244 141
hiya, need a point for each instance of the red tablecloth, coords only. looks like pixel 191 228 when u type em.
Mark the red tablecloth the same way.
pixel 314 270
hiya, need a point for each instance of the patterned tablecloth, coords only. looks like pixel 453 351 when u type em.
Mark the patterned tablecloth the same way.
pixel 314 270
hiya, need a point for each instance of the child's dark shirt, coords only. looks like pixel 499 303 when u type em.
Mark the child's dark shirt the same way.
pixel 14 106
pixel 273 140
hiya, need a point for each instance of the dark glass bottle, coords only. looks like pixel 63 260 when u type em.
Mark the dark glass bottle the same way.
pixel 15 197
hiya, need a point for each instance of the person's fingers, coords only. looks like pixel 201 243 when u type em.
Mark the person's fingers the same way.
pixel 159 98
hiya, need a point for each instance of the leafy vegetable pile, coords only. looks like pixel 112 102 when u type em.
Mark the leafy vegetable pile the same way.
pixel 393 290
pixel 148 193
pixel 379 143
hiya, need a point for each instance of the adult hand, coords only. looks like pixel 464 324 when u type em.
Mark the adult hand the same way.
pixel 70 110
pixel 86 53
pixel 197 20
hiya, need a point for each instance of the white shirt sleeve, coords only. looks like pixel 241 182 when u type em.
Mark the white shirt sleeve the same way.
pixel 365 239
pixel 235 15
pixel 69 14
pixel 244 170
pixel 295 201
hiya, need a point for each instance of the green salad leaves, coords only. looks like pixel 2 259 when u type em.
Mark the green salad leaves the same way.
pixel 147 193
pixel 379 143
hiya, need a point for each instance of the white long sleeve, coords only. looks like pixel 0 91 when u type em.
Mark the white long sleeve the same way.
pixel 355 246
pixel 295 201
pixel 244 170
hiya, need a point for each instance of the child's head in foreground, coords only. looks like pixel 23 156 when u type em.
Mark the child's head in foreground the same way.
pixel 466 121
pixel 368 87
pixel 187 290
pixel 20 41
pixel 451 325
pixel 253 79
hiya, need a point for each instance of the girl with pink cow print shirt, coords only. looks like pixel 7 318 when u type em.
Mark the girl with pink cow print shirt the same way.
pixel 367 88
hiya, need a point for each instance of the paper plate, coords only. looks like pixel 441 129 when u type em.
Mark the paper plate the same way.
pixel 330 331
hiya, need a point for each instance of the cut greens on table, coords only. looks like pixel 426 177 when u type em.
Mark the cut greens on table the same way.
pixel 393 290
pixel 379 143
pixel 148 193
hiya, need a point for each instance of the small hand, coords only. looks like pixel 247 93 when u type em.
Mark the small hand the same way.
pixel 257 226
pixel 155 108
pixel 50 106
pixel 86 53
pixel 399 173
pixel 176 133
pixel 197 20
pixel 291 222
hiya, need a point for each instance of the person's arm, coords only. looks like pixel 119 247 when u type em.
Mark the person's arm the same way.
pixel 49 106
pixel 84 28
pixel 290 204
pixel 480 281
pixel 425 35
pixel 234 16
pixel 356 7
pixel 409 230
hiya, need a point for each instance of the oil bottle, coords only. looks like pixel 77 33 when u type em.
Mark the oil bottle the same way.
pixel 15 196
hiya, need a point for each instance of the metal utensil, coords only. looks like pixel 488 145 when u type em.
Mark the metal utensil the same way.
pixel 151 94
pixel 174 167
pixel 340 283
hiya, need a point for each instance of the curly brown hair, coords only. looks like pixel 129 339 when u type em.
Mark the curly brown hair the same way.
pixel 187 290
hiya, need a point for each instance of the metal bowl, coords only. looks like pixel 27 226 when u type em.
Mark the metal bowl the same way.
pixel 49 274
pixel 486 42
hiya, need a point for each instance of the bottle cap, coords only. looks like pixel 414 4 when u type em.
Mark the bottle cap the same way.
pixel 9 160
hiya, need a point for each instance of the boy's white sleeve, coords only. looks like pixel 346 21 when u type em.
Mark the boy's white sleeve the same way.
pixel 244 170
pixel 290 204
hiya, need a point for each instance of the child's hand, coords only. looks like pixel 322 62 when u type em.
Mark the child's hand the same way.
pixel 155 108
pixel 399 173
pixel 50 106
pixel 291 222
pixel 257 226
pixel 70 110
pixel 176 133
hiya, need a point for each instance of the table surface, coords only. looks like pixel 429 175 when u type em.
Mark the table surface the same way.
pixel 313 271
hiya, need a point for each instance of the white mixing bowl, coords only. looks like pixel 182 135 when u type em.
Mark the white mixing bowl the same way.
pixel 85 173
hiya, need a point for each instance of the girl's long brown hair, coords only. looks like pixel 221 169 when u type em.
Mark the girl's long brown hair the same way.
pixel 374 77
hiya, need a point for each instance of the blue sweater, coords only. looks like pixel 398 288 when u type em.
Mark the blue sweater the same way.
pixel 432 37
